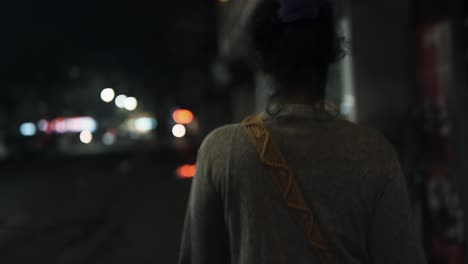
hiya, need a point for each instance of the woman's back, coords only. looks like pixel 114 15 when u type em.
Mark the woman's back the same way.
pixel 349 174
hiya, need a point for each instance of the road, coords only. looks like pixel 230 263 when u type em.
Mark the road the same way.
pixel 119 208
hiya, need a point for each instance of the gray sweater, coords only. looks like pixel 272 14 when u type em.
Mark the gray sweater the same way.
pixel 350 174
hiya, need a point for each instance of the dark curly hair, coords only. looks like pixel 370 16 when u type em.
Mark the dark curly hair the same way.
pixel 297 53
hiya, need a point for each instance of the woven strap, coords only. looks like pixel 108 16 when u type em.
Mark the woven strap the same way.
pixel 271 156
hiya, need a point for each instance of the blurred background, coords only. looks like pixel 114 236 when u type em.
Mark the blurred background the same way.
pixel 103 106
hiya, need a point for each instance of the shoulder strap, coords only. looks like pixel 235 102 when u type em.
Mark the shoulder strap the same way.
pixel 271 156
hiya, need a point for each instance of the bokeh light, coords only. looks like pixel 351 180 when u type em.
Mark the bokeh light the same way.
pixel 71 125
pixel 145 124
pixel 183 116
pixel 107 95
pixel 86 137
pixel 120 101
pixel 108 138
pixel 186 171
pixel 43 125
pixel 179 131
pixel 130 103
pixel 28 129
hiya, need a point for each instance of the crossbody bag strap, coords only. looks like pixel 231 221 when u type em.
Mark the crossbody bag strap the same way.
pixel 272 157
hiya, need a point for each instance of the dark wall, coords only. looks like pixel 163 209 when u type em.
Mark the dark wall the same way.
pixel 383 62
pixel 459 102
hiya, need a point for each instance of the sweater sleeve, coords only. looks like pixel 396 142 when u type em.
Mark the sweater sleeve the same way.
pixel 393 237
pixel 204 239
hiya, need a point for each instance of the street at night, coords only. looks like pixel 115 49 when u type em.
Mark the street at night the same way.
pixel 120 208
pixel 110 152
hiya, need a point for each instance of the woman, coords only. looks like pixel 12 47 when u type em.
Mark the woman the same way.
pixel 348 176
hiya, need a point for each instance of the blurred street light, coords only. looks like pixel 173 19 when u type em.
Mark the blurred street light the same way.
pixel 28 129
pixel 107 95
pixel 183 116
pixel 43 125
pixel 120 101
pixel 186 171
pixel 179 131
pixel 108 138
pixel 69 125
pixel 130 103
pixel 86 137
pixel 145 124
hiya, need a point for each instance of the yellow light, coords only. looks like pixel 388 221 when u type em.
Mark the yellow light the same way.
pixel 183 116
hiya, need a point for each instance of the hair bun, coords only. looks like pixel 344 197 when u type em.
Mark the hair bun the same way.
pixel 301 41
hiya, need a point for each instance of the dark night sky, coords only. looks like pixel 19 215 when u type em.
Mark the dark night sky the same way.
pixel 44 36
pixel 152 44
